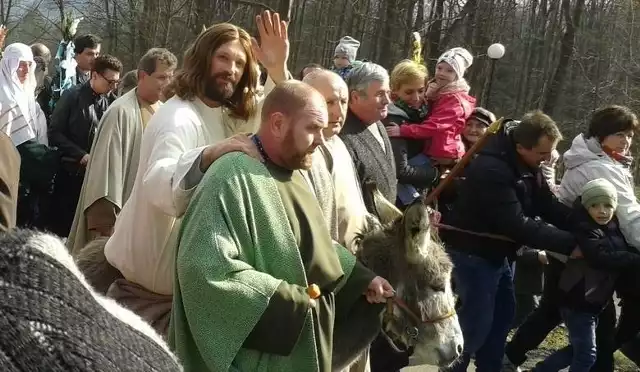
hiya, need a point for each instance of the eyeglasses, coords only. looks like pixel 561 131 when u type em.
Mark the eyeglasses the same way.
pixel 113 83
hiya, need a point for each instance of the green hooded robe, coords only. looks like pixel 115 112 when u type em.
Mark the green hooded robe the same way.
pixel 252 240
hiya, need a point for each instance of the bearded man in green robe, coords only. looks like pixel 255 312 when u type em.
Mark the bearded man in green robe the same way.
pixel 252 241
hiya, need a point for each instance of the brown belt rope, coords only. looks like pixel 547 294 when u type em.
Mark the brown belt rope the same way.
pixel 484 235
pixel 558 256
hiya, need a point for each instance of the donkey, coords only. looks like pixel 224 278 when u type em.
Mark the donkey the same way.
pixel 404 249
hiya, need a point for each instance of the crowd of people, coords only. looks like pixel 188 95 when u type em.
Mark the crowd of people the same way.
pixel 215 206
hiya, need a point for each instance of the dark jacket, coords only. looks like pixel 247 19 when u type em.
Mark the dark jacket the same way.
pixel 40 164
pixel 502 196
pixel 74 123
pixel 529 275
pixel 373 165
pixel 405 149
pixel 44 98
pixel 588 283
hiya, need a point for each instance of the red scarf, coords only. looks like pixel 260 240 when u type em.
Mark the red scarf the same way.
pixel 615 155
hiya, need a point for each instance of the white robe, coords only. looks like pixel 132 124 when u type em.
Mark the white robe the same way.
pixel 20 115
pixel 144 241
pixel 351 210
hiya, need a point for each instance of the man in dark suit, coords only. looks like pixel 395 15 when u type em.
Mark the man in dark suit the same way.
pixel 368 144
pixel 364 134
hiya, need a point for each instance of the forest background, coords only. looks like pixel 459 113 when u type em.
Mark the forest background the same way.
pixel 566 57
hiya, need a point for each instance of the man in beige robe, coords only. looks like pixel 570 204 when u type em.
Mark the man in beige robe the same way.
pixel 186 135
pixel 110 174
pixel 351 211
pixel 9 177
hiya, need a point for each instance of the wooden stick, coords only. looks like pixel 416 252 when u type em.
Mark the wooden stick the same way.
pixel 493 129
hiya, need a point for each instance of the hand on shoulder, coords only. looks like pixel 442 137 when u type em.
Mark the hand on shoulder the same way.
pixel 240 142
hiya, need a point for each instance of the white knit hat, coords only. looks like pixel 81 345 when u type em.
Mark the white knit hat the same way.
pixel 459 59
pixel 597 191
pixel 347 47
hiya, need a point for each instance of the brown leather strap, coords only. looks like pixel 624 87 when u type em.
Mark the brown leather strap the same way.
pixel 484 235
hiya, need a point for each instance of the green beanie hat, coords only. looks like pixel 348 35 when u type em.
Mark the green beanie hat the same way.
pixel 599 191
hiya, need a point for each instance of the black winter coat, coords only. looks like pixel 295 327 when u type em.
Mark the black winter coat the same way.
pixel 529 275
pixel 500 195
pixel 74 123
pixel 588 283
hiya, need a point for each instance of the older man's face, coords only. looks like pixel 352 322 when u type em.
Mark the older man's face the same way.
pixel 375 102
pixel 336 94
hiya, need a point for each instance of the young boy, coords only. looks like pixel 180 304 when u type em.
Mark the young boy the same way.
pixel 344 57
pixel 587 285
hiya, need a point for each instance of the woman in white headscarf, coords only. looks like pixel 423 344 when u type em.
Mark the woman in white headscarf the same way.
pixel 20 115
pixel 24 122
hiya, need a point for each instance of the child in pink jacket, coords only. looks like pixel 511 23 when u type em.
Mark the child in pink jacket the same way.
pixel 451 105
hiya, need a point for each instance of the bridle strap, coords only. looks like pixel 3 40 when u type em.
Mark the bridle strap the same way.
pixel 418 320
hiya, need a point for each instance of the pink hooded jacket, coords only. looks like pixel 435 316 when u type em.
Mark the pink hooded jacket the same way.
pixel 443 127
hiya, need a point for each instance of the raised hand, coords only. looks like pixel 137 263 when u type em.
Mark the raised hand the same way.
pixel 273 49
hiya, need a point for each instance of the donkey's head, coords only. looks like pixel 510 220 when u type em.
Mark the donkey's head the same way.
pixel 404 248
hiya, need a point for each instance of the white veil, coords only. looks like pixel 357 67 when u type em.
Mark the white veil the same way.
pixel 20 115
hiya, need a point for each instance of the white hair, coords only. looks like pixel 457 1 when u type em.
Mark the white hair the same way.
pixel 331 77
pixel 361 76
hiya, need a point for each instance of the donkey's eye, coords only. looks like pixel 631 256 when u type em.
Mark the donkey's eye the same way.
pixel 412 332
pixel 415 231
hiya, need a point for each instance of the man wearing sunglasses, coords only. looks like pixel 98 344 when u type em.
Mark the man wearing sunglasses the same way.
pixel 74 122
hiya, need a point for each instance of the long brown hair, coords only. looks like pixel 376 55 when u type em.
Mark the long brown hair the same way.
pixel 189 82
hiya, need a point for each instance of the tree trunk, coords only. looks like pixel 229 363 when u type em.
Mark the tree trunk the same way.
pixel 284 8
pixel 434 31
pixel 566 54
pixel 525 74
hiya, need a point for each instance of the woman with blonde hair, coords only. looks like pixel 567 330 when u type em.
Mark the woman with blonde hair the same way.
pixel 407 81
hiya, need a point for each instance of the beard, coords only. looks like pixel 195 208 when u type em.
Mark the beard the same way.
pixel 219 92
pixel 298 159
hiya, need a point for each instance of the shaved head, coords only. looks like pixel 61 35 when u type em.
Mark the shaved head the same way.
pixel 321 77
pixel 336 95
pixel 294 116
pixel 289 98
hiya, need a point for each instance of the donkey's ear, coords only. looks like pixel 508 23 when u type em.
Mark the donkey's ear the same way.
pixel 386 211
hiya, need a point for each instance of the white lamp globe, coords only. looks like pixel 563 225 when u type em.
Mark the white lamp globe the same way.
pixel 495 51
